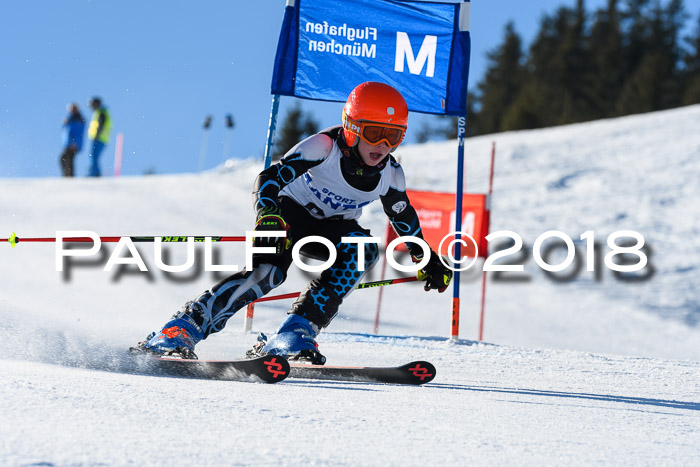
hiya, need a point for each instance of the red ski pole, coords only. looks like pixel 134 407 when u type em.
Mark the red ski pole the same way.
pixel 14 239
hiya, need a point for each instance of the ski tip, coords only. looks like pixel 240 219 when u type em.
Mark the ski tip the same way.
pixel 12 240
pixel 422 372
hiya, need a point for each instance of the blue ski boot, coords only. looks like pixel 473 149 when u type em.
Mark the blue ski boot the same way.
pixel 177 339
pixel 294 340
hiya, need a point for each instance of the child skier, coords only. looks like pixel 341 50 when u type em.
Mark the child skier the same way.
pixel 318 188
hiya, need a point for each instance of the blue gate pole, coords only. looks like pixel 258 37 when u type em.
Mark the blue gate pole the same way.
pixel 461 133
pixel 250 309
pixel 271 130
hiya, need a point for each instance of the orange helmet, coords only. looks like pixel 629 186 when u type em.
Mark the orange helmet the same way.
pixel 375 112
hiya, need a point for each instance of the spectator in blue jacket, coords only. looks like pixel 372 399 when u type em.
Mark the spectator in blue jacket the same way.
pixel 73 131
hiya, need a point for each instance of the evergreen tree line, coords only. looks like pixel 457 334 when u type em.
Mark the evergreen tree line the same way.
pixel 628 57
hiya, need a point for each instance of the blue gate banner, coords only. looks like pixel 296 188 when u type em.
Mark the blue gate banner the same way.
pixel 326 48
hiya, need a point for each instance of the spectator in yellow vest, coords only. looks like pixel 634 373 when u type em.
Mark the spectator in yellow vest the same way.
pixel 98 132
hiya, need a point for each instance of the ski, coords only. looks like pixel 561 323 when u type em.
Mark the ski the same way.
pixel 419 372
pixel 267 369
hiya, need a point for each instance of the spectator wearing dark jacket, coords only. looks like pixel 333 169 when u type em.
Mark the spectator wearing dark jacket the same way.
pixel 72 136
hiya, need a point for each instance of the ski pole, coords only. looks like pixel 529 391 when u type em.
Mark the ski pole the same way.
pixel 364 285
pixel 205 143
pixel 14 239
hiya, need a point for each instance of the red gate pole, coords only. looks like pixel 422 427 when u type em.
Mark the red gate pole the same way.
pixel 118 155
pixel 249 314
pixel 483 276
pixel 381 290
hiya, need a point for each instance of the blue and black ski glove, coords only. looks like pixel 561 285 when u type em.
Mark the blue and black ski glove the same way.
pixel 272 221
pixel 435 274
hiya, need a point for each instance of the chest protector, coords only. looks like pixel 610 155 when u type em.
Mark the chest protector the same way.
pixel 323 191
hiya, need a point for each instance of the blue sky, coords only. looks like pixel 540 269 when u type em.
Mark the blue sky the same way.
pixel 161 67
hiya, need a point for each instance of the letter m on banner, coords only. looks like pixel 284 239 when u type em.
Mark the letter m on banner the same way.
pixel 404 52
pixel 326 48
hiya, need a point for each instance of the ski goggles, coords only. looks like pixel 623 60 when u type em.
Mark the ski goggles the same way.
pixel 375 132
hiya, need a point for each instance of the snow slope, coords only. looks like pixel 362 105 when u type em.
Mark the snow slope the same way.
pixel 588 371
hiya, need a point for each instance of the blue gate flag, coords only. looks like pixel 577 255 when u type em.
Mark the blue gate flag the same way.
pixel 326 48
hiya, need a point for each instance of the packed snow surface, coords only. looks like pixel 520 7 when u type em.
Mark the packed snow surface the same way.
pixel 597 369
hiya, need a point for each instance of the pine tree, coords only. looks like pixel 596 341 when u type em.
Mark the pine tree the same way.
pixel 473 121
pixel 605 48
pixel 691 74
pixel 652 57
pixel 556 90
pixel 502 81
pixel 425 132
pixel 297 126
pixel 666 28
pixel 578 76
pixel 636 26
pixel 446 126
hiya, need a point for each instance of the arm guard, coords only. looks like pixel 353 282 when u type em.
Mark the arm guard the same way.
pixel 305 155
pixel 403 218
pixel 271 181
